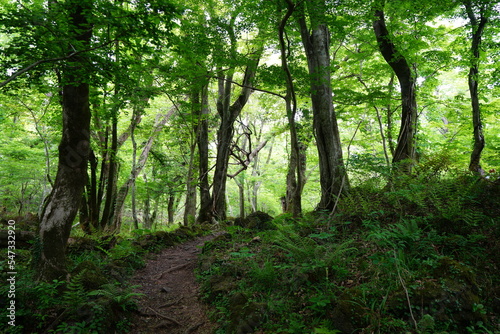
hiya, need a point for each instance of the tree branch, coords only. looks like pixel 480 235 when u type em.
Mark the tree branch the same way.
pixel 52 60
pixel 250 87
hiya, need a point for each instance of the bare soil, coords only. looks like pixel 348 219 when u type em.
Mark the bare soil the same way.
pixel 171 302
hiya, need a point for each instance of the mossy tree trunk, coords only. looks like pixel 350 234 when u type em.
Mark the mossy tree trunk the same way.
pixel 64 201
pixel 316 41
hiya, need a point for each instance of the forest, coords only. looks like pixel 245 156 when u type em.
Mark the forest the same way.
pixel 333 164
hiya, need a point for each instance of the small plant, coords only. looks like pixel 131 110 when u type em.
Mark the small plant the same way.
pixel 123 298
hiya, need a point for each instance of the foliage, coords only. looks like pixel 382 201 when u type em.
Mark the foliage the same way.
pixel 417 258
pixel 97 297
pixel 390 240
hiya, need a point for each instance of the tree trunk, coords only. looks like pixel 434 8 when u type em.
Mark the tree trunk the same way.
pixel 295 165
pixel 295 181
pixel 112 176
pixel 196 110
pixel 134 163
pixel 64 200
pixel 123 192
pixel 190 206
pixel 405 151
pixel 333 176
pixel 478 26
pixel 241 194
pixel 147 222
pixel 228 114
pixel 171 208
pixel 202 141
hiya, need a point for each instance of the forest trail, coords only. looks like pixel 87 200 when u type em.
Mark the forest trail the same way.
pixel 171 302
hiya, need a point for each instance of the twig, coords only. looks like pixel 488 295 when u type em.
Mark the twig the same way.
pixel 345 170
pixel 56 322
pixel 171 303
pixel 165 317
pixel 173 269
pixel 406 291
pixel 193 328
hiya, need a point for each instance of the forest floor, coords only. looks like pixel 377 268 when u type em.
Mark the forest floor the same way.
pixel 171 300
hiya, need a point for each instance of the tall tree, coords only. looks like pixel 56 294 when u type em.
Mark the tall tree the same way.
pixel 202 142
pixel 295 178
pixel 405 151
pixel 316 41
pixel 64 200
pixel 478 13
pixel 115 224
pixel 229 111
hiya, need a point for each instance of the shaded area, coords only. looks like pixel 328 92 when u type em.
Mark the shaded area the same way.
pixel 170 301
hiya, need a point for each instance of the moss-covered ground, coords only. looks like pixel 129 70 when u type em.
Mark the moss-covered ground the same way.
pixel 421 257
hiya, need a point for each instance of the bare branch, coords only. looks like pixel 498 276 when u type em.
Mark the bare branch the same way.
pixel 252 88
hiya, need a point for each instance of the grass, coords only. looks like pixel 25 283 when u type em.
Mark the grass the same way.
pixel 422 258
pixel 97 297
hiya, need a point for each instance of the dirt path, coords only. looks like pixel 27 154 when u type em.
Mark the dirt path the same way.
pixel 171 301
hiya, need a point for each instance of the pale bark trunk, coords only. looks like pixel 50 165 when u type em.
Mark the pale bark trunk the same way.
pixel 123 192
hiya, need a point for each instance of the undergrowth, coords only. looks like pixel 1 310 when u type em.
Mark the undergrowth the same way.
pixel 420 256
pixel 96 298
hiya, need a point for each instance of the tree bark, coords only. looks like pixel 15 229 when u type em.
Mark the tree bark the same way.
pixel 190 206
pixel 228 114
pixel 112 175
pixel 405 151
pixel 202 142
pixel 294 180
pixel 191 182
pixel 123 192
pixel 74 148
pixel 333 176
pixel 296 165
pixel 135 219
pixel 478 25
pixel 171 208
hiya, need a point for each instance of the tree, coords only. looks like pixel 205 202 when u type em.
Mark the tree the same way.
pixel 228 112
pixel 316 42
pixel 64 200
pixel 478 14
pixel 404 153
pixel 295 177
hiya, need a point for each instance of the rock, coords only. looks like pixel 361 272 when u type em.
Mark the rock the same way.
pixel 245 316
pixel 256 221
pixel 348 314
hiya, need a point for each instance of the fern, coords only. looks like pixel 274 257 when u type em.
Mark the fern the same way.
pixel 122 297
pixel 300 248
pixel 75 295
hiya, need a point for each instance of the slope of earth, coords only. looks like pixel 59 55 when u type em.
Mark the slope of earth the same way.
pixel 170 302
